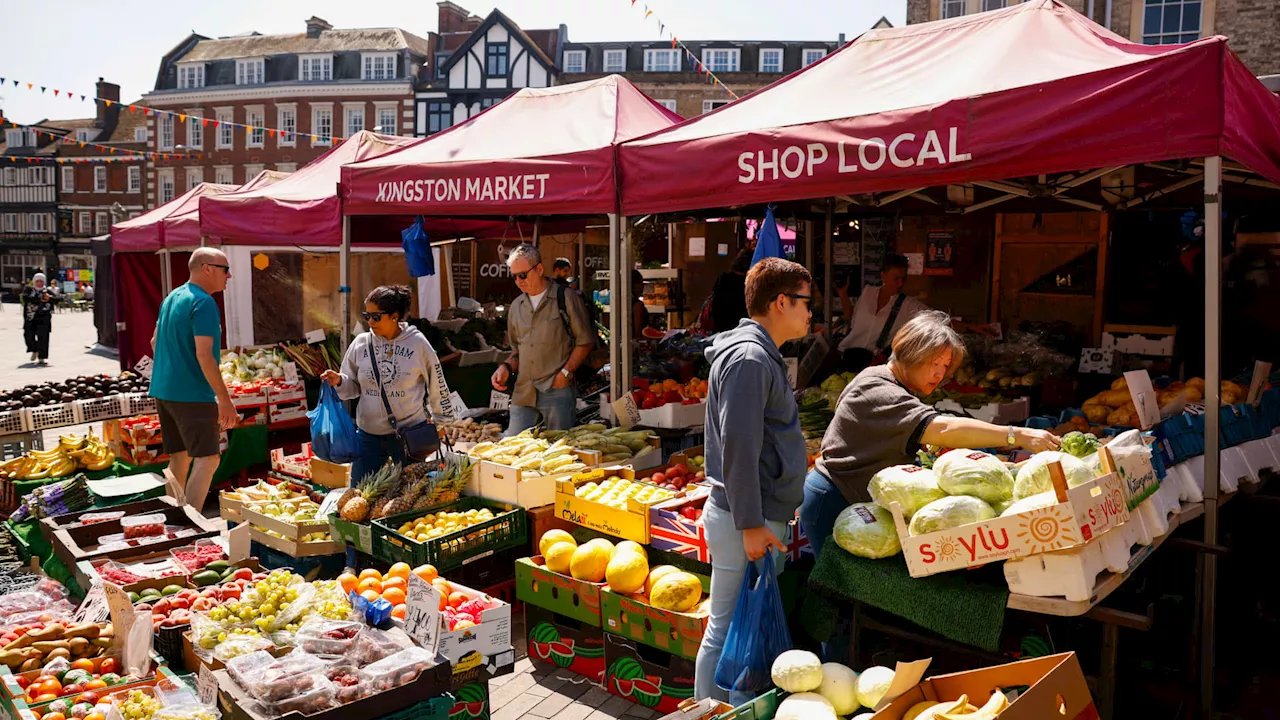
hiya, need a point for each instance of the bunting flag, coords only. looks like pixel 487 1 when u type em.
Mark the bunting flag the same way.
pixel 694 60
pixel 56 138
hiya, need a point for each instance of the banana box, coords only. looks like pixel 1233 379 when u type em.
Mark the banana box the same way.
pixel 620 513
pixel 679 633
pixel 1051 687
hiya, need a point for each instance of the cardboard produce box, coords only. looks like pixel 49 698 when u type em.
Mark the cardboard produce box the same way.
pixel 675 632
pixel 51 524
pixel 527 489
pixel 647 676
pixel 1082 513
pixel 633 523
pixel 565 642
pixel 74 544
pixel 490 638
pixel 561 594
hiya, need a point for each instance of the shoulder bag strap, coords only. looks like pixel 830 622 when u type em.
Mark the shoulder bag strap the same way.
pixel 377 377
pixel 888 323
pixel 564 313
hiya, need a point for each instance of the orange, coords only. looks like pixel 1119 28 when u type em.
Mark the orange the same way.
pixel 95 716
pixel 95 685
pixel 348 582
pixel 84 664
pixel 373 584
pixel 456 599
pixel 369 595
pixel 426 572
pixel 370 573
pixel 400 570
pixel 393 595
pixel 398 611
pixel 393 581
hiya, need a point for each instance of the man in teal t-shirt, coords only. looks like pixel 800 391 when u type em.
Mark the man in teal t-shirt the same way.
pixel 193 402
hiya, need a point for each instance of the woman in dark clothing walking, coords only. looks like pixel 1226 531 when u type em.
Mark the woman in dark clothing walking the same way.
pixel 37 317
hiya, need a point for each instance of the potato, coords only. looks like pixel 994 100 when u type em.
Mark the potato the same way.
pixel 1097 413
pixel 1118 417
pixel 1197 383
pixel 1194 393
pixel 1120 384
pixel 1115 398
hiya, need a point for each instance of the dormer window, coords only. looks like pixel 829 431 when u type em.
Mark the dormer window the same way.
pixel 315 68
pixel 379 66
pixel 250 71
pixel 191 76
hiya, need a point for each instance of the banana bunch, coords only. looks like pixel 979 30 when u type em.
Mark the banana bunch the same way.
pixel 74 452
pixel 960 709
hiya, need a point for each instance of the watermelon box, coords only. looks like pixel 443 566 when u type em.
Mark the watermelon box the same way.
pixel 647 676
pixel 470 683
pixel 674 632
pixel 472 702
pixel 561 594
pixel 566 643
pixel 760 708
pixel 491 637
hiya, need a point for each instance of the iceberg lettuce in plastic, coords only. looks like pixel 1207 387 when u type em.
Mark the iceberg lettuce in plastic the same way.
pixel 910 486
pixel 974 473
pixel 1033 476
pixel 950 512
pixel 1033 502
pixel 866 530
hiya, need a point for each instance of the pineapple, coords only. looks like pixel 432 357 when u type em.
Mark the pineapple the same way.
pixel 449 483
pixel 418 482
pixel 370 490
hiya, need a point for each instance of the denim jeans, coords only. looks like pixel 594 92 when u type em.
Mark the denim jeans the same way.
pixel 374 451
pixel 728 566
pixel 557 406
pixel 822 504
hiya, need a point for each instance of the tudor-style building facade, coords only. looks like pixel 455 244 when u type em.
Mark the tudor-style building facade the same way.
pixel 478 62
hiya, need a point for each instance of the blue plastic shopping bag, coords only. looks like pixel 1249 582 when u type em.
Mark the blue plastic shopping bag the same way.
pixel 418 255
pixel 758 633
pixel 333 435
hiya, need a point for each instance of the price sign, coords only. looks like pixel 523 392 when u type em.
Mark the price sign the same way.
pixel 207 686
pixel 238 542
pixel 144 366
pixel 499 400
pixel 364 539
pixel 422 613
pixel 291 372
pixel 94 609
pixel 1097 360
pixel 627 412
pixel 1144 399
pixel 1261 371
pixel 119 606
pixel 457 405
pixel 314 336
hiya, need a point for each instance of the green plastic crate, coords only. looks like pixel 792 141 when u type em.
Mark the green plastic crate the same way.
pixel 508 529
pixel 360 536
pixel 436 708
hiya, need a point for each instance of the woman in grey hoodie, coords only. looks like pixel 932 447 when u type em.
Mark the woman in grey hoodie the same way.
pixel 410 372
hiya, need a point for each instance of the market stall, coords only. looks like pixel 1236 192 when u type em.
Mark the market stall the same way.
pixel 891 115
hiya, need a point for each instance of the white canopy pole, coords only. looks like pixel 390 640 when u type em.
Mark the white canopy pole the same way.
pixel 615 325
pixel 1212 378
pixel 827 258
pixel 622 310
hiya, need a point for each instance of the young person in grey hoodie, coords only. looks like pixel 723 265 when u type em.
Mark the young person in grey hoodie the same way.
pixel 755 452
pixel 410 372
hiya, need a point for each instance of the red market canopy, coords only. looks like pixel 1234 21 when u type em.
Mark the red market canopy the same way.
pixel 545 151
pixel 302 209
pixel 1034 88
pixel 147 232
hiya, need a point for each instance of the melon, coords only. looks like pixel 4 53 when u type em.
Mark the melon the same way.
pixel 559 556
pixel 805 706
pixel 551 537
pixel 677 591
pixel 631 546
pixel 873 683
pixel 656 574
pixel 840 686
pixel 627 572
pixel 601 542
pixel 589 562
pixel 797 671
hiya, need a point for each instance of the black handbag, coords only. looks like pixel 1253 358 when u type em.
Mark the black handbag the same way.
pixel 419 441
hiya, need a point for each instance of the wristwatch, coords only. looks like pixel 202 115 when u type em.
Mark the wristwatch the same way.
pixel 1012 439
pixel 565 372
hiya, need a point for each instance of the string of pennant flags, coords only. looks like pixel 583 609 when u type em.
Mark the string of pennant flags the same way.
pixel 182 117
pixel 694 61
pixel 126 155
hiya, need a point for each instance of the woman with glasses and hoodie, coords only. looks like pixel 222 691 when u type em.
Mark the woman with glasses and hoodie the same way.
pixel 409 371
pixel 755 452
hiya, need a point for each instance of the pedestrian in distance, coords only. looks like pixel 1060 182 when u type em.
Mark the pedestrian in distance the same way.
pixel 192 400
pixel 551 336
pixel 755 451
pixel 38 301
pixel 408 371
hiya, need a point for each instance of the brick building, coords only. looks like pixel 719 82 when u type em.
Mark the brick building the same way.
pixel 28 204
pixel 1252 27
pixel 314 88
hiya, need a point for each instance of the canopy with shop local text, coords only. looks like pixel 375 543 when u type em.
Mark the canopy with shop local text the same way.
pixel 1030 89
pixel 302 209
pixel 545 151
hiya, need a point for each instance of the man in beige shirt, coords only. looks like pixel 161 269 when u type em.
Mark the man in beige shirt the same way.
pixel 550 337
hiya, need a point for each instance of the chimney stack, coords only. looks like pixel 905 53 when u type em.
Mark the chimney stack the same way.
pixel 315 26
pixel 108 117
pixel 451 18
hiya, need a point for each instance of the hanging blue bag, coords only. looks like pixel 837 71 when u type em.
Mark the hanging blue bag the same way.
pixel 333 435
pixel 418 255
pixel 757 635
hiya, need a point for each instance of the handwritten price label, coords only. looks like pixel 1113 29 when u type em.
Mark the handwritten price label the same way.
pixel 499 400
pixel 422 613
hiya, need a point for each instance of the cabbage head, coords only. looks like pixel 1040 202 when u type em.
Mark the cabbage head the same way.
pixel 866 530
pixel 910 486
pixel 1033 502
pixel 974 473
pixel 1033 476
pixel 950 512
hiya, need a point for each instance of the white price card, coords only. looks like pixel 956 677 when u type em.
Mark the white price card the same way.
pixel 422 613
pixel 456 404
pixel 330 503
pixel 1144 398
pixel 314 336
pixel 499 400
pixel 364 539
pixel 238 542
pixel 207 686
pixel 291 372
pixel 94 609
pixel 626 411
pixel 120 607
pixel 144 366
pixel 1261 371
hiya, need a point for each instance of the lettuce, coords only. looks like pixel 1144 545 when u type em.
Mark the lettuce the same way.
pixel 910 486
pixel 950 512
pixel 1033 476
pixel 974 473
pixel 866 530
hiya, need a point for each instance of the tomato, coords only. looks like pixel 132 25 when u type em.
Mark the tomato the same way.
pixel 109 665
pixel 83 664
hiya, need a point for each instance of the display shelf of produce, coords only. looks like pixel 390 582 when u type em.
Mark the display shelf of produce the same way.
pixel 508 529
pixel 72 545
pixel 629 523
pixel 14 701
pixel 296 549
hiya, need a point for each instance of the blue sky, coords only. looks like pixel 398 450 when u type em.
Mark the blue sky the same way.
pixel 70 44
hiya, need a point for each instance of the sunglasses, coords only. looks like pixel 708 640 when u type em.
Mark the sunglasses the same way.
pixel 808 299
pixel 522 276
pixel 373 316
pixel 225 268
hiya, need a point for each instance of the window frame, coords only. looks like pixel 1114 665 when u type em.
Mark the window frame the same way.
pixel 43 224
pixel 140 134
pixel 68 173
pixel 164 137
pixel 166 184
pixel 349 113
pixel 253 170
pixel 226 138
pixel 100 178
pixel 218 177
pixel 382 123
pixel 989 5
pixel 667 103
pixel 614 52
pixel 133 180
pixel 195 130
pixel 709 105
pixel 491 54
pixel 288 131
pixel 9 177
pixel 673 55
pixel 781 59
pixel 101 223
pixel 308 71
pixel 322 139
pixel 961 5
pixel 735 55
pixel 84 222
pixel 804 56
pixel 256 137
pixel 190 76
pixel 19 133
pixel 1161 36
pixel 193 173
pixel 368 66
pixel 444 112
pixel 581 55
pixel 440 59
pixel 251 71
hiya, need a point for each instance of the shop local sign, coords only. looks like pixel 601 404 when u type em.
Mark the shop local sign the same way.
pixel 1089 510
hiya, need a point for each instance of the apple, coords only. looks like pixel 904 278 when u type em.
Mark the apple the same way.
pixel 179 603
pixel 242 574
